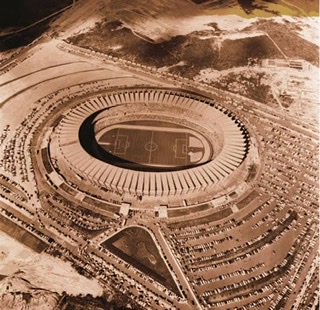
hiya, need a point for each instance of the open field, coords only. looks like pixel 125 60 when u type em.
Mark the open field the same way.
pixel 188 211
pixel 212 217
pixel 247 199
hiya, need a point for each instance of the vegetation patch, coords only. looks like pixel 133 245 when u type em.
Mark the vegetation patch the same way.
pixel 249 83
pixel 105 302
pixel 190 210
pixel 235 53
pixel 136 246
pixel 191 52
pixel 114 39
pixel 247 199
pixel 196 54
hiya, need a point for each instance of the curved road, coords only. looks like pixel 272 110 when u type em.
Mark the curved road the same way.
pixel 37 22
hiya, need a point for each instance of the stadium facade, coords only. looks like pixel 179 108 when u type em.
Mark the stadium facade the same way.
pixel 221 137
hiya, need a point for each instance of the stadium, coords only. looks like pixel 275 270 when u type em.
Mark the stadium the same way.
pixel 152 142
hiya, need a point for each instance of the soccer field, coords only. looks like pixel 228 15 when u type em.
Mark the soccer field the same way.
pixel 155 143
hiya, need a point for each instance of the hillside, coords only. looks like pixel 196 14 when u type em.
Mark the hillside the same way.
pixel 211 47
pixel 286 36
pixel 41 282
pixel 18 293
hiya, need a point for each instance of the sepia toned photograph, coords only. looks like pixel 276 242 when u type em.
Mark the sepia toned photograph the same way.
pixel 159 154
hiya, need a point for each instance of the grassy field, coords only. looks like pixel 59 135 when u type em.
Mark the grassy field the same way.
pixel 247 199
pixel 21 235
pixel 202 220
pixel 136 246
pixel 46 160
pixel 152 146
pixel 102 205
pixel 146 147
pixel 187 211
pixel 157 144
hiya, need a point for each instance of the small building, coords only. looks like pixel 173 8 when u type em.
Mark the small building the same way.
pixel 125 208
pixel 298 64
pixel 161 211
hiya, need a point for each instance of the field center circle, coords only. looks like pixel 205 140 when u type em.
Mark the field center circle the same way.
pixel 151 146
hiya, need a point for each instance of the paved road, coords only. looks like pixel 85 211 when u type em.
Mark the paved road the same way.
pixel 175 264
